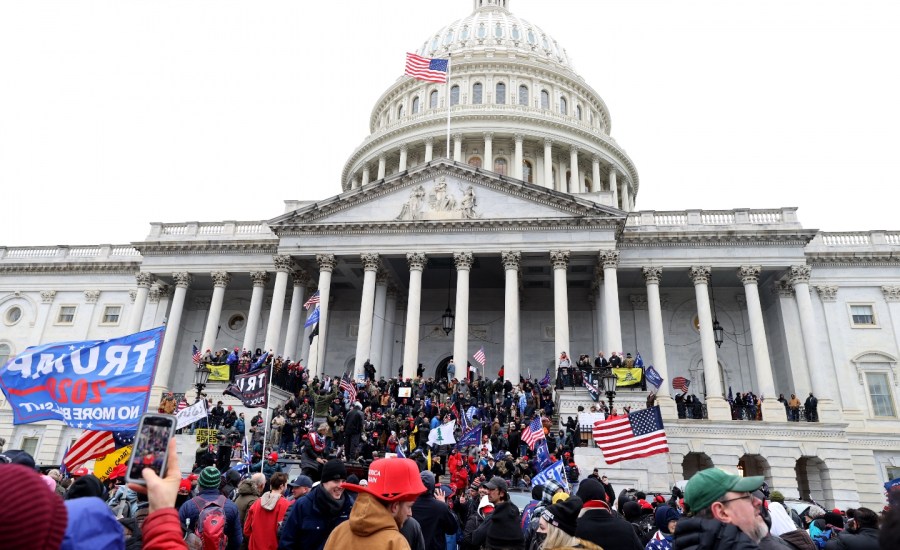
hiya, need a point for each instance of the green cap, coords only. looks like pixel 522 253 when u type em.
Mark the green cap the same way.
pixel 711 484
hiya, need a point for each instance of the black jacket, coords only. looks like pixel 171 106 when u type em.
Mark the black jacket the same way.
pixel 606 530
pixel 865 539
pixel 353 425
pixel 436 519
pixel 709 534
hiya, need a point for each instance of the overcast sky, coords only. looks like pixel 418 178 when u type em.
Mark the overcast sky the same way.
pixel 117 113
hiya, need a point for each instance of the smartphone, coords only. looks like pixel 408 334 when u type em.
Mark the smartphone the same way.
pixel 151 446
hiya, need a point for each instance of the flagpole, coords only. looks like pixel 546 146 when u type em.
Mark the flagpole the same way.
pixel 448 106
pixel 266 427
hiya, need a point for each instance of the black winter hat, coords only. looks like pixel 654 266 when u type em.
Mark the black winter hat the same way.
pixel 591 489
pixel 505 529
pixel 564 514
pixel 333 470
pixel 86 486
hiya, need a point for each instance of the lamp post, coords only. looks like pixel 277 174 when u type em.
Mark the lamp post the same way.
pixel 608 382
pixel 201 377
pixel 448 319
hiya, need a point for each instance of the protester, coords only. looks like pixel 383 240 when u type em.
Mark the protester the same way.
pixel 317 514
pixel 561 520
pixel 266 515
pixel 209 497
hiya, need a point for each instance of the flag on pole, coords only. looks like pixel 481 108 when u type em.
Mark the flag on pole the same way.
pixel 429 459
pixel 555 472
pixel 635 435
pixel 471 437
pixel 442 435
pixel 426 68
pixel 653 377
pixel 638 362
pixel 62 467
pixel 542 455
pixel 545 381
pixel 681 383
pixel 260 362
pixel 533 433
pixel 592 389
pixel 245 451
pixel 480 357
pixel 196 355
pixel 313 301
pixel 313 333
pixel 89 445
pixel 348 386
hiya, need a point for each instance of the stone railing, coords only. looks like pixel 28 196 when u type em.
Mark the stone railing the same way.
pixel 864 240
pixel 209 230
pixel 68 253
pixel 649 219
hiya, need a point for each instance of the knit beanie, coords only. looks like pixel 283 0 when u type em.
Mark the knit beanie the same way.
pixel 210 477
pixel 40 522
pixel 836 520
pixel 86 486
pixel 591 489
pixel 631 510
pixel 564 515
pixel 333 470
pixel 505 529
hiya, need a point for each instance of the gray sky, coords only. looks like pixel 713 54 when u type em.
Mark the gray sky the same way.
pixel 117 113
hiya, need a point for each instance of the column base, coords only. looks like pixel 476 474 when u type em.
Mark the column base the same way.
pixel 717 408
pixel 667 408
pixel 773 411
pixel 828 411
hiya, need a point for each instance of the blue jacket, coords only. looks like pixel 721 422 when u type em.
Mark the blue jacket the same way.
pixel 306 527
pixel 91 524
pixel 233 530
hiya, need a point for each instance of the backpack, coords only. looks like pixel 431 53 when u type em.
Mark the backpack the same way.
pixel 209 532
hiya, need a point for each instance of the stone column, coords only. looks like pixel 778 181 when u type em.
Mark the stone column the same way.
pixel 652 277
pixel 365 176
pixel 326 266
pixel 609 259
pixel 144 280
pixel 259 279
pixel 613 186
pixel 429 149
pixel 548 164
pixel 595 175
pixel 892 297
pixel 715 402
pixel 489 151
pixel 276 312
pixel 626 197
pixel 371 264
pixel 559 259
pixel 220 281
pixel 841 365
pixel 575 181
pixel 386 365
pixel 596 298
pixel 772 409
pixel 382 167
pixel 797 369
pixel 173 327
pixel 517 159
pixel 295 317
pixel 404 151
pixel 377 346
pixel 457 147
pixel 354 183
pixel 820 380
pixel 417 261
pixel 91 297
pixel 463 261
pixel 511 352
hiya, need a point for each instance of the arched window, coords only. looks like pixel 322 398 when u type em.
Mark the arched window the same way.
pixel 400 111
pixel 545 99
pixel 454 95
pixel 475 161
pixel 587 184
pixel 515 33
pixel 434 43
pixel 477 92
pixel 464 33
pixel 523 95
pixel 498 30
pixel 568 177
pixel 449 38
pixel 563 106
pixel 433 100
pixel 500 166
pixel 5 353
pixel 578 112
pixel 482 31
pixel 531 38
pixel 415 107
pixel 501 93
pixel 527 172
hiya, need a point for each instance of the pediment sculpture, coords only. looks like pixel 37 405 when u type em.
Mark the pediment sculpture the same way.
pixel 439 204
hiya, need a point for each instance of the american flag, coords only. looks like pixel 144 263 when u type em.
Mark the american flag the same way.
pixel 634 435
pixel 313 300
pixel 89 445
pixel 348 386
pixel 196 355
pixel 681 383
pixel 480 357
pixel 533 433
pixel 427 69
pixel 183 404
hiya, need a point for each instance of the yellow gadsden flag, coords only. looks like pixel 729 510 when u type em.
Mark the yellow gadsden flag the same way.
pixel 218 373
pixel 104 466
pixel 412 439
pixel 628 377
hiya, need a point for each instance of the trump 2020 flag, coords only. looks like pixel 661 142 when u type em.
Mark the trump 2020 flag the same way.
pixel 555 471
pixel 542 454
pixel 653 377
pixel 99 385
pixel 635 435
pixel 443 434
pixel 592 389
pixel 470 438
pixel 251 388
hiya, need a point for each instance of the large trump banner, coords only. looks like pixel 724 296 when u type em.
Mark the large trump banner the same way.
pixel 100 385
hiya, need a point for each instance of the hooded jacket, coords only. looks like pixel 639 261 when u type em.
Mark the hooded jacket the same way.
pixel 864 539
pixel 91 524
pixel 189 511
pixel 371 525
pixel 263 519
pixel 710 534
pixel 308 525
pixel 436 520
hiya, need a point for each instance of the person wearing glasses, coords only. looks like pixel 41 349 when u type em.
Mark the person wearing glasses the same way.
pixel 725 514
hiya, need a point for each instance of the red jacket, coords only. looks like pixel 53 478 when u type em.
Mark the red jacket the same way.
pixel 261 524
pixel 162 531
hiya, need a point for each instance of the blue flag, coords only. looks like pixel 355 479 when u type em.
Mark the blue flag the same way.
pixel 592 390
pixel 313 318
pixel 638 362
pixel 100 385
pixel 232 358
pixel 555 472
pixel 653 377
pixel 400 452
pixel 522 404
pixel 545 381
pixel 471 437
pixel 260 362
pixel 541 454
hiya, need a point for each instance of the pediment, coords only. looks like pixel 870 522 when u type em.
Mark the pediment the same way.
pixel 447 192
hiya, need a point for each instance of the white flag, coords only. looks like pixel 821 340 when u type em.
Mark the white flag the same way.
pixel 443 434
pixel 191 414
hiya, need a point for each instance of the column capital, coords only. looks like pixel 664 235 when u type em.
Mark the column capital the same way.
pixel 749 274
pixel 47 296
pixel 326 262
pixel 301 277
pixel 382 157
pixel 559 259
pixel 371 261
pixel 488 136
pixel 404 148
pixel 91 296
pixel 457 136
pixel 595 159
pixel 382 277
pixel 511 259
pixel 429 141
pixel 638 301
pixel 652 274
pixel 220 278
pixel 417 260
pixel 144 280
pixel 182 279
pixel 891 293
pixel 156 292
pixel 282 262
pixel 700 274
pixel 548 142
pixel 463 260
pixel 259 278
pixel 519 138
pixel 800 274
pixel 609 258
pixel 784 288
pixel 827 293
pixel 573 148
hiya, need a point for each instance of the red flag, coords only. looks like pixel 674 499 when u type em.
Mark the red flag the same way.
pixel 90 445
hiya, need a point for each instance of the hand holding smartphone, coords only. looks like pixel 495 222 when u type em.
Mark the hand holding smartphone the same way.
pixel 151 445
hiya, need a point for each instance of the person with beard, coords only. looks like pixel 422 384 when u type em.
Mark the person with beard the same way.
pixel 598 524
pixel 321 511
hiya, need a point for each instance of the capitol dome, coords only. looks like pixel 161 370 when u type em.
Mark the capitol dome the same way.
pixel 517 108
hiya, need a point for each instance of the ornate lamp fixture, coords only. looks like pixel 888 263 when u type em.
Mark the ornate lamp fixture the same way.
pixel 201 378
pixel 718 331
pixel 609 381
pixel 448 319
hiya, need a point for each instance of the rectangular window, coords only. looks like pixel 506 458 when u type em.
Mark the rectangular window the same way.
pixel 880 393
pixel 29 445
pixel 66 315
pixel 111 315
pixel 862 315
